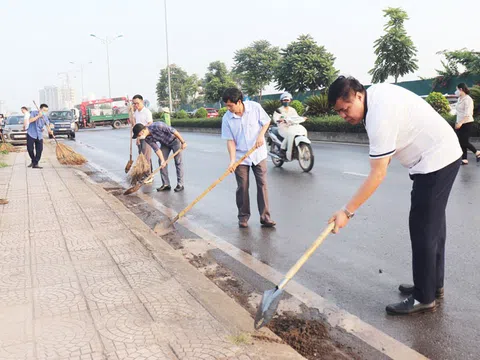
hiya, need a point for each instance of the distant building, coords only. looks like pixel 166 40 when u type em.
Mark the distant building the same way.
pixel 51 96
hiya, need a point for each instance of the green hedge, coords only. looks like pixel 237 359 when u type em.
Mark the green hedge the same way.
pixel 332 123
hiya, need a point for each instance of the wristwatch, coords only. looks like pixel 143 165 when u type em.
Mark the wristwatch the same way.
pixel 348 213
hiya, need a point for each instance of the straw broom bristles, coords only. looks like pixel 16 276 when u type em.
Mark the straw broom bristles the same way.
pixel 67 156
pixel 6 147
pixel 140 169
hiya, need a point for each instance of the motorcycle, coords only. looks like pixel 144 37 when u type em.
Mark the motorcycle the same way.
pixel 301 149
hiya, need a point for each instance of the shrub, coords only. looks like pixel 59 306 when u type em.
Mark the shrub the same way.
pixel 156 115
pixel 201 113
pixel 318 105
pixel 298 106
pixel 182 114
pixel 270 106
pixel 438 102
pixel 222 112
pixel 208 123
pixel 475 94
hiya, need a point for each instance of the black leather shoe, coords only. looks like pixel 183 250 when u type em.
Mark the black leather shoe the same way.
pixel 179 188
pixel 242 224
pixel 164 188
pixel 407 289
pixel 408 307
pixel 31 164
pixel 36 167
pixel 268 224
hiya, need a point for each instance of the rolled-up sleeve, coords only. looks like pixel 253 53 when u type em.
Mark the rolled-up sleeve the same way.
pixel 226 130
pixel 264 119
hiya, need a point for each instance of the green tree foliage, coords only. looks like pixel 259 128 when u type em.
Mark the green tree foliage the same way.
pixel 469 59
pixel 438 102
pixel 256 65
pixel 182 114
pixel 217 79
pixel 305 65
pixel 222 112
pixel 183 85
pixel 394 50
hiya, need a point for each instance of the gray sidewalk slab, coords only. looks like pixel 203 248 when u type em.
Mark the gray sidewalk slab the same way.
pixel 81 277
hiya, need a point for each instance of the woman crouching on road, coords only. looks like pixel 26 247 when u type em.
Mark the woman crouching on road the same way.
pixel 464 122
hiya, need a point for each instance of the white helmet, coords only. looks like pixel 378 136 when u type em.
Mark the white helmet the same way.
pixel 286 95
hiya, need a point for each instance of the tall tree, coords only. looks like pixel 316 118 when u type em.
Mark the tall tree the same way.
pixel 395 50
pixel 470 60
pixel 305 65
pixel 184 86
pixel 256 66
pixel 217 79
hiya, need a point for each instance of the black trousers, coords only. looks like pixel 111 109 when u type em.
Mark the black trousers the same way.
pixel 464 138
pixel 38 145
pixel 428 229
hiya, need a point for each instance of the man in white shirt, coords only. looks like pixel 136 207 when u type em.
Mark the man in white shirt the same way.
pixel 26 117
pixel 400 124
pixel 143 116
pixel 244 126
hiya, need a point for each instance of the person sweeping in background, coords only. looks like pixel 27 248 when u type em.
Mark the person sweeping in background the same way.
pixel 143 115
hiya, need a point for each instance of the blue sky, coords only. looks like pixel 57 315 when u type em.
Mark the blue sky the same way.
pixel 39 38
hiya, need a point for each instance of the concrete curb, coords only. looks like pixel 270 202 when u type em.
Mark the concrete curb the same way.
pixel 223 308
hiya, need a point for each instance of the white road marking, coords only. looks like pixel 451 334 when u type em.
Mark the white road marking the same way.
pixel 355 173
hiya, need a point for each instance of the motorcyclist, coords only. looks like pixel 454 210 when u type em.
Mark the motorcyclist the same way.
pixel 285 129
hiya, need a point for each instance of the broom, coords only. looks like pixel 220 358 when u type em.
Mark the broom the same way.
pixel 65 154
pixel 6 147
pixel 140 169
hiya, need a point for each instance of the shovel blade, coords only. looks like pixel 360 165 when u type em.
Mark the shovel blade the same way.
pixel 128 166
pixel 267 307
pixel 133 189
pixel 163 228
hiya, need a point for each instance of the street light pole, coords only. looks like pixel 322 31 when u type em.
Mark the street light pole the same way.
pixel 168 60
pixel 82 66
pixel 107 42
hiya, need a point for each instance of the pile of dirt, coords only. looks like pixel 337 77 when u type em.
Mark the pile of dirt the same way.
pixel 308 337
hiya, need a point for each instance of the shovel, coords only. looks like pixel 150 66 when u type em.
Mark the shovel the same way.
pixel 167 226
pixel 130 162
pixel 140 183
pixel 271 298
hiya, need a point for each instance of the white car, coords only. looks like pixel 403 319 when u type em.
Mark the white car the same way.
pixel 13 130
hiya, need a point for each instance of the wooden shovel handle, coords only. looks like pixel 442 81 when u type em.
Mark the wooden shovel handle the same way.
pixel 306 255
pixel 215 183
pixel 166 162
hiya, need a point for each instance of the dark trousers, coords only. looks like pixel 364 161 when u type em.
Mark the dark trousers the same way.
pixel 464 138
pixel 166 149
pixel 428 229
pixel 242 174
pixel 38 145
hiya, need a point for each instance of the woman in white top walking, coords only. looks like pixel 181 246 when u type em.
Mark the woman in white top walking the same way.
pixel 464 121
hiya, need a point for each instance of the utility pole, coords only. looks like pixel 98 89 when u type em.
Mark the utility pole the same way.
pixel 107 41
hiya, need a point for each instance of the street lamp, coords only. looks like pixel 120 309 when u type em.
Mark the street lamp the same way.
pixel 168 61
pixel 107 41
pixel 81 71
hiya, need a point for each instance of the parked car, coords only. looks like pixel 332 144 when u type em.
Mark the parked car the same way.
pixel 212 112
pixel 13 130
pixel 62 123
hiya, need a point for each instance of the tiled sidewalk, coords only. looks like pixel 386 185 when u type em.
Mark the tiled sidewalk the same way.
pixel 77 281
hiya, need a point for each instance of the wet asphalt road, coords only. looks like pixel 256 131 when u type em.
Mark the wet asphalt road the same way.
pixel 358 269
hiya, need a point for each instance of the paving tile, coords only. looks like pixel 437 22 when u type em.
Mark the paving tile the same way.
pixel 110 293
pixel 61 299
pixel 15 278
pixel 59 336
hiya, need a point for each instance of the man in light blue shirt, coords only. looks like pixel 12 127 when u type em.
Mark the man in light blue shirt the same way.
pixel 38 120
pixel 244 126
